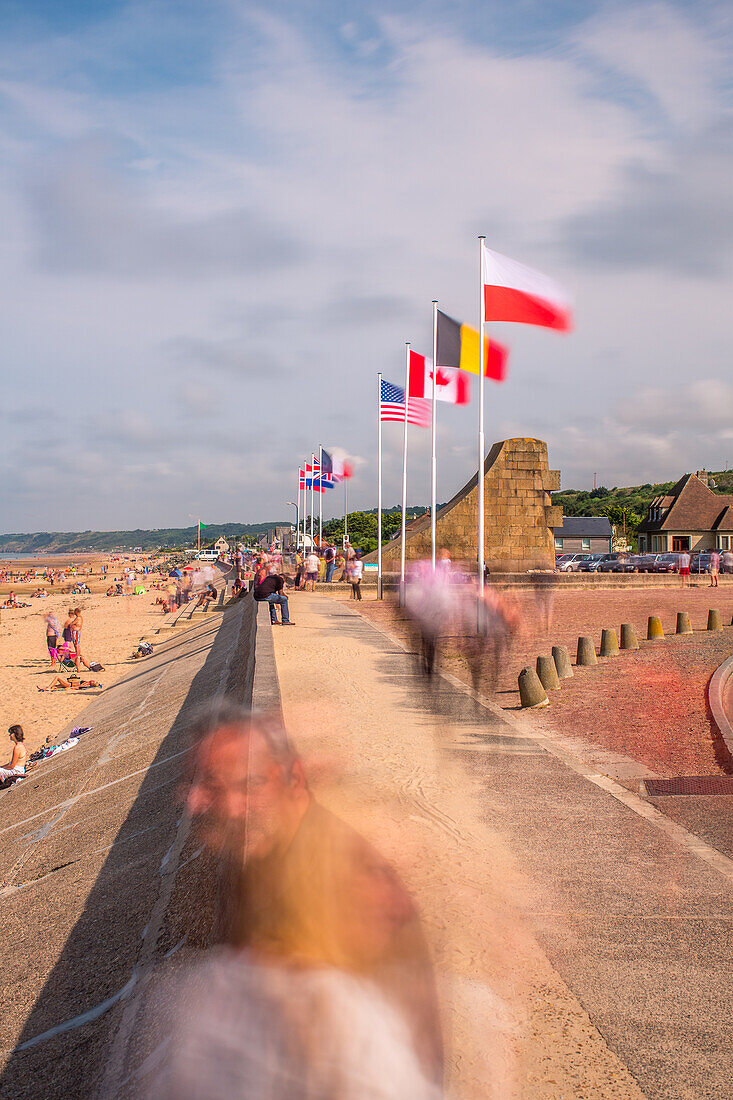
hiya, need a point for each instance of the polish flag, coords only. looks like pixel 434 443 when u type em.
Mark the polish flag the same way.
pixel 513 292
pixel 453 385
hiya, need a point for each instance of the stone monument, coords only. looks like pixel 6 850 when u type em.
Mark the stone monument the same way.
pixel 519 515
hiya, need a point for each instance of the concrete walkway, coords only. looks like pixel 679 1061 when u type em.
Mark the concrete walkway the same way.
pixel 582 941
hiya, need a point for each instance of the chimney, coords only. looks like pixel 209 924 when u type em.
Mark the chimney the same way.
pixel 703 476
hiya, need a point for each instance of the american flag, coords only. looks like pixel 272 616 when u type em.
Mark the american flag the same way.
pixel 392 406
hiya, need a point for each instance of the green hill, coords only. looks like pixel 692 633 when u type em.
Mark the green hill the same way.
pixel 630 503
pixel 78 542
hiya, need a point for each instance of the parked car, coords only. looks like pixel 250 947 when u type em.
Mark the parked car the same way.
pixel 570 563
pixel 666 563
pixel 700 563
pixel 591 563
pixel 646 562
pixel 618 562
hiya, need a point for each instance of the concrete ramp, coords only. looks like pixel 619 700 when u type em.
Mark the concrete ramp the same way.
pixel 98 875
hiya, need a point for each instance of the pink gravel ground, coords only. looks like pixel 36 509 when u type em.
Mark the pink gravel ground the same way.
pixel 650 705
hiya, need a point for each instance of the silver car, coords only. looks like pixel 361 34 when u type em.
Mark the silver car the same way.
pixel 569 563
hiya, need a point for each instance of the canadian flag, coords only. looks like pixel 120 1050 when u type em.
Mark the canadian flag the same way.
pixel 452 385
pixel 513 292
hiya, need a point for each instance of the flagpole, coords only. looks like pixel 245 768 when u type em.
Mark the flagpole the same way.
pixel 297 517
pixel 433 456
pixel 379 484
pixel 320 495
pixel 198 539
pixel 481 446
pixel 313 477
pixel 404 480
pixel 346 510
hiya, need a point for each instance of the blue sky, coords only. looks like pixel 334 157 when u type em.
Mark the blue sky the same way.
pixel 219 220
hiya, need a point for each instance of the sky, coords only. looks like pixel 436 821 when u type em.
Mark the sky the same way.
pixel 220 219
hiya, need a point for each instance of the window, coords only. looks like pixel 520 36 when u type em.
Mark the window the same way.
pixel 586 544
pixel 558 543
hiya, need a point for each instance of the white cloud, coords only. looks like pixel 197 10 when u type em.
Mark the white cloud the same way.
pixel 275 233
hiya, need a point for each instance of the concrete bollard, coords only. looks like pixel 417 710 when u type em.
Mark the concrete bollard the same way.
pixel 609 643
pixel 548 674
pixel 683 623
pixel 654 628
pixel 714 620
pixel 561 657
pixel 586 654
pixel 628 636
pixel 531 691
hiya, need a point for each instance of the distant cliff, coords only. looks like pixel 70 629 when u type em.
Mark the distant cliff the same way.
pixel 79 542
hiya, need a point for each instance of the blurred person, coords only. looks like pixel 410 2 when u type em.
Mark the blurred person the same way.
pixel 430 605
pixel 53 633
pixel 727 561
pixel 684 566
pixel 312 563
pixel 486 634
pixel 321 987
pixel 355 569
pixel 714 568
pixel 544 597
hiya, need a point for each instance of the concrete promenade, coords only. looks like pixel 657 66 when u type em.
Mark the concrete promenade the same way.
pixel 582 939
pixel 99 882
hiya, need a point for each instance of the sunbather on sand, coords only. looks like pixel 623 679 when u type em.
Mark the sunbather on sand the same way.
pixel 15 767
pixel 59 684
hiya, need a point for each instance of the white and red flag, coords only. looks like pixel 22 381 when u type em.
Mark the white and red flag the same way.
pixel 513 292
pixel 452 386
pixel 336 464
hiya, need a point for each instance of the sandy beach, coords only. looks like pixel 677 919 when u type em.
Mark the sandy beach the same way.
pixel 112 628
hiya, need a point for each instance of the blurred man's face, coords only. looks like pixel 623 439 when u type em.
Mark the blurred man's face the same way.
pixel 241 796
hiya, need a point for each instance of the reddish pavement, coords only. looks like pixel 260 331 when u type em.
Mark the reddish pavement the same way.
pixel 651 705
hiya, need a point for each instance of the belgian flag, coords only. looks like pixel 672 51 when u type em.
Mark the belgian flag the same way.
pixel 458 346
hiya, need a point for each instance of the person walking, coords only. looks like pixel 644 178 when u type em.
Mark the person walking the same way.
pixel 714 568
pixel 727 561
pixel 311 566
pixel 238 559
pixel 356 570
pixel 684 560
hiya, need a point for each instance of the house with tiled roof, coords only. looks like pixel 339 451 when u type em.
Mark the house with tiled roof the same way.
pixel 690 517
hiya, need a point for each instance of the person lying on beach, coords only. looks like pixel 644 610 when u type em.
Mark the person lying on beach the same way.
pixel 59 684
pixel 15 767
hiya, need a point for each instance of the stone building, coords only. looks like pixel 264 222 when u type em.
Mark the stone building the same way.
pixel 519 514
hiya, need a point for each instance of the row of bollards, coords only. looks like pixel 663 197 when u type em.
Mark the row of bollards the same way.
pixel 534 683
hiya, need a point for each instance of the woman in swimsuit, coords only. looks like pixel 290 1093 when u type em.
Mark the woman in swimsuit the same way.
pixel 59 684
pixel 15 767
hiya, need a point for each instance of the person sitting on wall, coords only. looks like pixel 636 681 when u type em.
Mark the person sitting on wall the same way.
pixel 270 589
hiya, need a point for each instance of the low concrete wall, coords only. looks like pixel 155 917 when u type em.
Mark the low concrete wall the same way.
pixel 718 690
